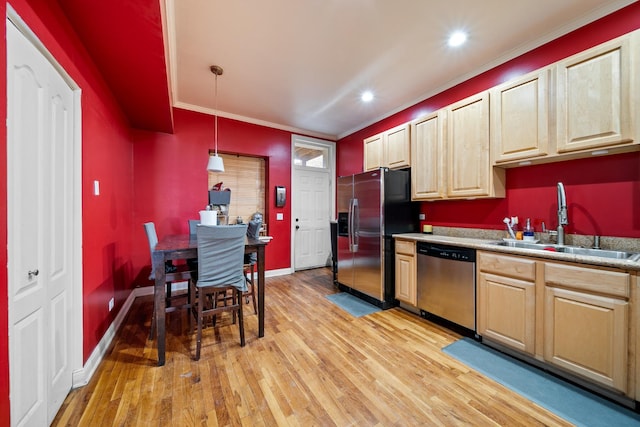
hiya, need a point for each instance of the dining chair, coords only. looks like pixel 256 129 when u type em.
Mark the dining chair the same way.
pixel 220 269
pixel 193 225
pixel 193 262
pixel 179 273
pixel 253 231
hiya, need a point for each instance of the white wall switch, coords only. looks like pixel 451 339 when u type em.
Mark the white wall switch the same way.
pixel 279 216
pixel 96 188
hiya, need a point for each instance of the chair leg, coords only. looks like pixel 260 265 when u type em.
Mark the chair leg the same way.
pixel 168 294
pixel 152 329
pixel 253 293
pixel 199 334
pixel 240 317
pixel 250 280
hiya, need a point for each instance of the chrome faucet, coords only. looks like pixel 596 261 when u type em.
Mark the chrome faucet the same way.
pixel 562 213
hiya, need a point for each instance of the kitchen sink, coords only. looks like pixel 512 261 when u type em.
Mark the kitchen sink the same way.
pixel 602 253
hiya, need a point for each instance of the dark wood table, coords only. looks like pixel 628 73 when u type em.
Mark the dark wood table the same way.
pixel 185 246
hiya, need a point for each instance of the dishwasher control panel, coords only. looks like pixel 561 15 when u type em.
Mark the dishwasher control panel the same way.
pixel 447 252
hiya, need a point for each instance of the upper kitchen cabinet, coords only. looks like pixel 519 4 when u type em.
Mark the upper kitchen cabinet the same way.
pixel 520 118
pixel 388 149
pixel 469 170
pixel 597 97
pixel 428 157
pixel 373 152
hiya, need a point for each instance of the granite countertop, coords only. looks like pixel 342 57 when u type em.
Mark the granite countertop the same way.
pixel 486 239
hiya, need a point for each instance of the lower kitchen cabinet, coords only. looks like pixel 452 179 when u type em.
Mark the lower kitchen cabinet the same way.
pixel 586 323
pixel 507 300
pixel 576 318
pixel 406 270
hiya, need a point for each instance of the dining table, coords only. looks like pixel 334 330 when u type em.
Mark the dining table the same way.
pixel 183 247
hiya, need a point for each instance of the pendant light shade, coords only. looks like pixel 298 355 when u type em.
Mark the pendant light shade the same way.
pixel 215 162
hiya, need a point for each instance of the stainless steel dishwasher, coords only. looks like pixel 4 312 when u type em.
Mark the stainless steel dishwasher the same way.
pixel 447 283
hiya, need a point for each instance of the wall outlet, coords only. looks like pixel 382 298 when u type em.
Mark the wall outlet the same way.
pixel 279 216
pixel 422 217
pixel 96 188
pixel 111 303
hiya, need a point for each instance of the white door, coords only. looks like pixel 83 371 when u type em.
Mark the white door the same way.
pixel 40 168
pixel 312 211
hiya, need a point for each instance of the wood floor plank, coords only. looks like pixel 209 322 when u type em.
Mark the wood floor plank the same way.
pixel 316 365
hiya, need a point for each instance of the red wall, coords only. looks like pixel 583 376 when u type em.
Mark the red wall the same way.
pixel 603 192
pixel 107 155
pixel 161 177
pixel 170 178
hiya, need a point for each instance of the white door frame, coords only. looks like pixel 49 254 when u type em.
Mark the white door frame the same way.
pixel 331 168
pixel 76 327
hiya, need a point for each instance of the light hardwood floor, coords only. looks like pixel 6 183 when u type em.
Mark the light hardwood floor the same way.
pixel 316 365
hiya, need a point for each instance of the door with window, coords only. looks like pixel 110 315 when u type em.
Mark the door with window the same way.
pixel 312 202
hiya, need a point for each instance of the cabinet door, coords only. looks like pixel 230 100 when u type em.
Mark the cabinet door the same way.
pixel 427 157
pixel 406 283
pixel 373 152
pixel 397 146
pixel 406 279
pixel 468 166
pixel 506 311
pixel 519 112
pixel 594 97
pixel 587 334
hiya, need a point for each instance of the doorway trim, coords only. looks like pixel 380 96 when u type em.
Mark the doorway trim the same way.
pixel 76 324
pixel 330 146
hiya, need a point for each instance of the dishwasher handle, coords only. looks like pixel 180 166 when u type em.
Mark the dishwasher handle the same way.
pixel 454 253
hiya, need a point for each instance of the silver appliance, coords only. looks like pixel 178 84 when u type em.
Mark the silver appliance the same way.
pixel 371 207
pixel 446 283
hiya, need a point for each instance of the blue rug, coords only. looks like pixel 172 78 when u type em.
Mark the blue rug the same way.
pixel 563 399
pixel 352 304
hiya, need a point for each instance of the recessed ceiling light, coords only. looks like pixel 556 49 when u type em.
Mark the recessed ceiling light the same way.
pixel 367 96
pixel 457 38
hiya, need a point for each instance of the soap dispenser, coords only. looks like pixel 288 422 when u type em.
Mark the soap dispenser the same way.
pixel 528 232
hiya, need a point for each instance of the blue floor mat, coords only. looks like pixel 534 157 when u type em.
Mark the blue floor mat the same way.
pixel 352 304
pixel 562 398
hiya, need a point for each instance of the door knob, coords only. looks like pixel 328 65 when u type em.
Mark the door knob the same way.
pixel 297 227
pixel 33 273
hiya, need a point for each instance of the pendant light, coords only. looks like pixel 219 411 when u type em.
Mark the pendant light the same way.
pixel 215 163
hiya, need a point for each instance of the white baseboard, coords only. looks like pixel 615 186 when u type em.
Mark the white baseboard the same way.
pixel 280 272
pixel 81 377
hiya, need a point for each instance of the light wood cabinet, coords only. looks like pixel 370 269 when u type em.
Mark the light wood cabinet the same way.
pixel 595 97
pixel 586 322
pixel 373 152
pixel 520 118
pixel 469 170
pixel 406 271
pixel 388 149
pixel 506 304
pixel 450 152
pixel 428 157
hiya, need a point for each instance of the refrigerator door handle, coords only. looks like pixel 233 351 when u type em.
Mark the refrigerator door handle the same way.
pixel 355 225
pixel 350 225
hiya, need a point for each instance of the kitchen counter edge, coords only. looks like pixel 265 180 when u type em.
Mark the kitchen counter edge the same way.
pixel 489 245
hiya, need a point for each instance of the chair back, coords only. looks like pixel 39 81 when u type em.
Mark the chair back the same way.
pixel 253 231
pixel 221 255
pixel 193 225
pixel 152 237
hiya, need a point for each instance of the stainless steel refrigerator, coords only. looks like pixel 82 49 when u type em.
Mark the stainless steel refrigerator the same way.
pixel 371 207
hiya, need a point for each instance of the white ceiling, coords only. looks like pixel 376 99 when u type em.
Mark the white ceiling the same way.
pixel 301 65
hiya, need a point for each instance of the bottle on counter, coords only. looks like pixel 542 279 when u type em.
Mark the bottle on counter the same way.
pixel 528 231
